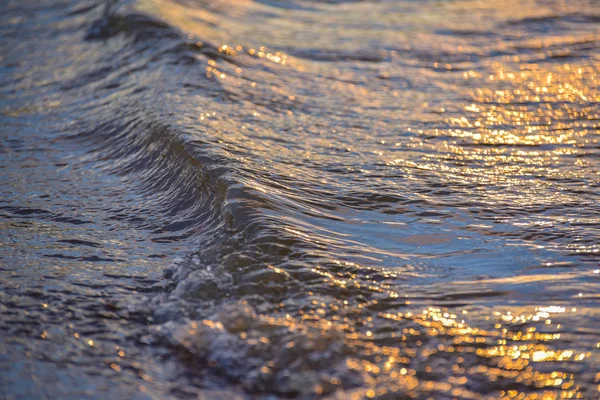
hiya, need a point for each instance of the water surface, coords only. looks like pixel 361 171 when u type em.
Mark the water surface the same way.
pixel 300 199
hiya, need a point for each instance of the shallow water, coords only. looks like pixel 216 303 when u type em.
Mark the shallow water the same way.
pixel 300 199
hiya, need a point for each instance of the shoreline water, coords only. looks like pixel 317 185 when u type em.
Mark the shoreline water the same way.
pixel 300 200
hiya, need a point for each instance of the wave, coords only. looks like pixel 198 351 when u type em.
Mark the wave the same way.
pixel 351 236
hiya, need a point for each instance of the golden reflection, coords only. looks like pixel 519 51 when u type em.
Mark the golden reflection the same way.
pixel 508 349
pixel 547 105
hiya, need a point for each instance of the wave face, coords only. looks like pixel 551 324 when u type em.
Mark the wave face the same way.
pixel 300 199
